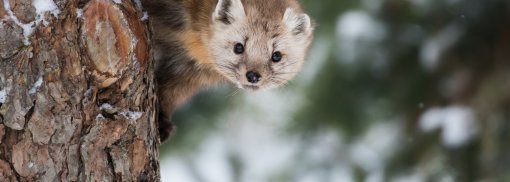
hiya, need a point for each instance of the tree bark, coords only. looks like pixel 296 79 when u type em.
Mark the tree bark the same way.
pixel 77 97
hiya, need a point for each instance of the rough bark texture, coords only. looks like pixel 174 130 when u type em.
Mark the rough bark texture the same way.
pixel 77 100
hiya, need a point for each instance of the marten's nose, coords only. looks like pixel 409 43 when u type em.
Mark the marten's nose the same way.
pixel 253 77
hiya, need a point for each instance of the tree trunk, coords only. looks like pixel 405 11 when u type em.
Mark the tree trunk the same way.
pixel 77 98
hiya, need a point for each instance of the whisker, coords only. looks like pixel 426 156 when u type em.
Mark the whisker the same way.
pixel 236 91
pixel 285 73
pixel 279 82
pixel 274 76
pixel 290 64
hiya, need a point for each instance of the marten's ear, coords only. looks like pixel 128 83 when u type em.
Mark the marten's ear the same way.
pixel 228 11
pixel 298 24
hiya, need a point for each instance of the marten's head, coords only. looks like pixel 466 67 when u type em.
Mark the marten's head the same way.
pixel 259 44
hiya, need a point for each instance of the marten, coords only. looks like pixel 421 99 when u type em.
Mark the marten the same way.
pixel 254 44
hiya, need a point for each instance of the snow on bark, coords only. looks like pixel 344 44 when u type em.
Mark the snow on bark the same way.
pixel 86 60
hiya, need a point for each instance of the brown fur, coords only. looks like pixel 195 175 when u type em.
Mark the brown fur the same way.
pixel 190 55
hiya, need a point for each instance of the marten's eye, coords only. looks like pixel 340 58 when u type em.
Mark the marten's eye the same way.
pixel 238 48
pixel 277 56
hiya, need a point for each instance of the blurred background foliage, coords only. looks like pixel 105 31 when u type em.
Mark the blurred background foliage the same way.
pixel 393 90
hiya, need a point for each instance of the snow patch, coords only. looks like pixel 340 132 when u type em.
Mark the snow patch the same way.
pixel 132 115
pixel 79 13
pixel 457 123
pixel 3 95
pixel 27 28
pixel 41 7
pixel 100 117
pixel 145 16
pixel 88 93
pixel 36 86
pixel 106 106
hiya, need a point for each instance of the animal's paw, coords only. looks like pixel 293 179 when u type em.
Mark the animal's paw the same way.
pixel 166 128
